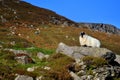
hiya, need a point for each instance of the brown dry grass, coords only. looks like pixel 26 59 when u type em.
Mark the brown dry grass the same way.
pixel 50 37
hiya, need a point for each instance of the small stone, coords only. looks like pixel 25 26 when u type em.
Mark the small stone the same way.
pixel 76 77
pixel 40 78
pixel 66 37
pixel 47 56
pixel 40 55
pixel 89 77
pixel 83 67
pixel 83 77
pixel 81 72
pixel 47 68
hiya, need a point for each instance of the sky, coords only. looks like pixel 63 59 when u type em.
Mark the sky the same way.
pixel 90 11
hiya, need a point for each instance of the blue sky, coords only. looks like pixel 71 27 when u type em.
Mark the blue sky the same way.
pixel 97 11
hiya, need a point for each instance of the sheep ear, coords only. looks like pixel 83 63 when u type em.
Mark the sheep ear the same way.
pixel 82 33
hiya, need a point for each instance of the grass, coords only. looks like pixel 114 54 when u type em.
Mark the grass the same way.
pixel 33 52
pixel 46 42
pixel 58 68
pixel 7 63
pixel 50 37
pixel 36 50
pixel 93 62
pixel 9 67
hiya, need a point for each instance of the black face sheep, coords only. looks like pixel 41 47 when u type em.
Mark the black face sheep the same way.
pixel 88 41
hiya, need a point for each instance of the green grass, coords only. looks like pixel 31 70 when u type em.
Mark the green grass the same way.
pixel 58 68
pixel 36 50
pixel 33 51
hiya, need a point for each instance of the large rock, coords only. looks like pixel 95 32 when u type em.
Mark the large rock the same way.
pixel 79 52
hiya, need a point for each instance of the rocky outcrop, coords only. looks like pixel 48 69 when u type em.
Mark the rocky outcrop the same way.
pixel 107 28
pixel 88 70
pixel 85 72
pixel 79 52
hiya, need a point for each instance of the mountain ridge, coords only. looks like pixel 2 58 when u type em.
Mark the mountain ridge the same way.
pixel 102 27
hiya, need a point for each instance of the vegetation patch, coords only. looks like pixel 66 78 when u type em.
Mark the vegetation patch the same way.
pixel 36 50
pixel 7 63
pixel 58 67
pixel 93 62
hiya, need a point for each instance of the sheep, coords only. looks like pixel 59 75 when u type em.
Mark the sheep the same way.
pixel 88 41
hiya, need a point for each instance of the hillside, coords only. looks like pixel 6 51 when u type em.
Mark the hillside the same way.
pixel 24 13
pixel 20 13
pixel 26 31
pixel 21 18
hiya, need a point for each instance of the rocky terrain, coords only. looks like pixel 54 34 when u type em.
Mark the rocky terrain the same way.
pixel 30 49
pixel 107 28
pixel 87 66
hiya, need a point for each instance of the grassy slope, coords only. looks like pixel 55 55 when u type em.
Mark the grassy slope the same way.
pixel 6 39
pixel 50 37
